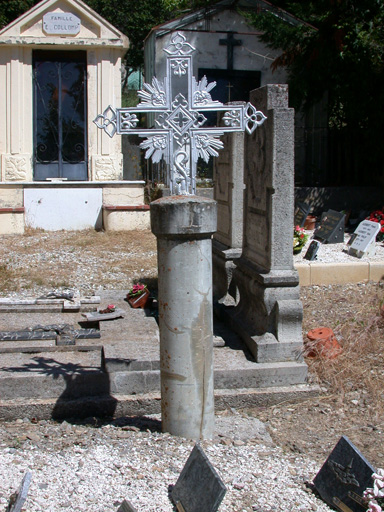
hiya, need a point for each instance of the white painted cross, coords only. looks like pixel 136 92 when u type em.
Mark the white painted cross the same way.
pixel 179 135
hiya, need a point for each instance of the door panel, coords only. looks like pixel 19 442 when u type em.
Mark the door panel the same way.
pixel 60 130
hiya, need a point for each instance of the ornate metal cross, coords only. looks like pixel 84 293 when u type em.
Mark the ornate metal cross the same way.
pixel 179 135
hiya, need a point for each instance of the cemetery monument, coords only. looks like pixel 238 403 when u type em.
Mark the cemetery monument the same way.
pixel 183 225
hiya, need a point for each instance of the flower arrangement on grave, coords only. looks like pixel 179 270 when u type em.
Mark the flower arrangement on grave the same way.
pixel 138 295
pixel 299 239
pixel 111 308
pixel 378 216
pixel 137 289
pixel 374 496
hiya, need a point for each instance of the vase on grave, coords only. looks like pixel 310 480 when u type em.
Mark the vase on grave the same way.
pixel 138 296
pixel 310 223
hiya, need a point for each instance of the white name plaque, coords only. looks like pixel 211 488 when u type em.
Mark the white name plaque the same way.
pixel 61 23
pixel 363 239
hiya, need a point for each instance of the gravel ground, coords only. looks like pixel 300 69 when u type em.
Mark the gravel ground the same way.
pixel 337 253
pixel 95 467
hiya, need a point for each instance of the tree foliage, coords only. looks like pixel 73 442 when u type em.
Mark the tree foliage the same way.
pixel 133 18
pixel 338 52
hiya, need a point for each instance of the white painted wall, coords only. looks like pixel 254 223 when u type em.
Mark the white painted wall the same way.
pixel 53 209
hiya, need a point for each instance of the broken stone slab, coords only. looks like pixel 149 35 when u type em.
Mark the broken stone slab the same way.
pixel 71 305
pixel 38 350
pixel 49 332
pixel 30 301
pixel 97 316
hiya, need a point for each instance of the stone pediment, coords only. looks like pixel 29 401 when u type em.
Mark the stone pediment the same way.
pixel 82 26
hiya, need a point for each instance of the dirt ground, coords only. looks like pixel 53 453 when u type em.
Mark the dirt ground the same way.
pixel 351 402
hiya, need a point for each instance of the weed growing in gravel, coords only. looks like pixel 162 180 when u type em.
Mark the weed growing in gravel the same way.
pixel 360 331
pixel 6 278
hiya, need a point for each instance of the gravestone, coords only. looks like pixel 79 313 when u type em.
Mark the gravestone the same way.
pixel 312 250
pixel 269 314
pixel 126 506
pixel 344 477
pixel 331 229
pixel 198 488
pixel 301 212
pixel 363 240
pixel 228 179
pixel 17 500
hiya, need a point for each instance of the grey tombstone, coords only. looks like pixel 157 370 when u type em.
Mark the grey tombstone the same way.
pixel 331 229
pixel 344 477
pixel 301 212
pixel 312 250
pixel 228 179
pixel 198 488
pixel 17 500
pixel 364 238
pixel 269 314
pixel 126 506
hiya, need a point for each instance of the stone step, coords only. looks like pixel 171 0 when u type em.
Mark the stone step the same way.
pixel 53 372
pixel 48 372
pixel 120 372
pixel 144 404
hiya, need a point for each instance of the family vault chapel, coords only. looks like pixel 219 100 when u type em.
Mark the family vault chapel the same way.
pixel 60 66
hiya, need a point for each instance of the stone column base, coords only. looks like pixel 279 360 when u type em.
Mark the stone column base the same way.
pixel 269 314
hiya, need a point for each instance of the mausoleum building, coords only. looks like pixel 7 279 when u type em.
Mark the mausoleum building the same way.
pixel 60 66
pixel 231 53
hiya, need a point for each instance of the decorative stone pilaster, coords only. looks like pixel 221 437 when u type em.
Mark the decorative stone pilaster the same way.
pixel 228 178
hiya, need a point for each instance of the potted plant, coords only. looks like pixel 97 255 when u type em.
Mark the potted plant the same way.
pixel 299 239
pixel 138 295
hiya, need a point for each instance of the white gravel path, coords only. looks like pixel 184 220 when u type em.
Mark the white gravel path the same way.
pixel 80 467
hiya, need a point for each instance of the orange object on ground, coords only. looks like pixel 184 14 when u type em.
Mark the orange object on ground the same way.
pixel 322 342
pixel 139 301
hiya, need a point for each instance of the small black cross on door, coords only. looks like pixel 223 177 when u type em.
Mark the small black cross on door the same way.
pixel 230 42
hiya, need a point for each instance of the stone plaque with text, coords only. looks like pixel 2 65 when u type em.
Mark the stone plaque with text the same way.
pixel 363 239
pixel 331 229
pixel 61 23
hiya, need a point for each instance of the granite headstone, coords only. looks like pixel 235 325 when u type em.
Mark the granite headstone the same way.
pixel 301 212
pixel 198 488
pixel 126 506
pixel 344 477
pixel 313 248
pixel 331 229
pixel 17 500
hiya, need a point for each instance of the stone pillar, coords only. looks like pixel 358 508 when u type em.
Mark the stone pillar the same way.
pixel 184 226
pixel 228 178
pixel 269 314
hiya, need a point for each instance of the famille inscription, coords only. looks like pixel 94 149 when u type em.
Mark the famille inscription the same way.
pixel 61 23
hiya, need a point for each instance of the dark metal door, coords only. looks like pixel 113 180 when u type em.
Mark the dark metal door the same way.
pixel 60 116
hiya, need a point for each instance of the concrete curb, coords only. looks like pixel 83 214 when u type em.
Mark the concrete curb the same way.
pixel 314 273
pixel 150 403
